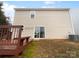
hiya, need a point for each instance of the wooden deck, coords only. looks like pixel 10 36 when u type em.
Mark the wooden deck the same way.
pixel 11 42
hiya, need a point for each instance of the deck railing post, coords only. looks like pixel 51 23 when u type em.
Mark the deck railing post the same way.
pixel 20 31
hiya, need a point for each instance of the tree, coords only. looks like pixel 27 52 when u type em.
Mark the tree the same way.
pixel 3 20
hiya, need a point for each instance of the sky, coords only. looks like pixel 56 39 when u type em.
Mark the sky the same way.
pixel 8 6
pixel 39 4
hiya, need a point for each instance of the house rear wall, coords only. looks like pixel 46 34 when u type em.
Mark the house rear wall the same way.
pixel 57 23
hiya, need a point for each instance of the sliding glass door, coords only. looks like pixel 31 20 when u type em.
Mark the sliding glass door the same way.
pixel 39 32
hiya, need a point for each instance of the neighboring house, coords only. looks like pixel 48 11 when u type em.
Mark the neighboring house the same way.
pixel 48 23
pixel 74 12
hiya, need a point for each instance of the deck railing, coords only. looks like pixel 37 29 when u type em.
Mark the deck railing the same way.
pixel 10 32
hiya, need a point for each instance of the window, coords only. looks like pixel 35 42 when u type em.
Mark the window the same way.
pixel 39 32
pixel 32 16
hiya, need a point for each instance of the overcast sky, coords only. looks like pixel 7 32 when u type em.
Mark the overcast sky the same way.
pixel 10 5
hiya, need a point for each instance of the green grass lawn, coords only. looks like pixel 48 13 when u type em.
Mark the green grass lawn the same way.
pixel 51 48
pixel 30 50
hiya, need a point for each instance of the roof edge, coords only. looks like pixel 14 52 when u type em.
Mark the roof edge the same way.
pixel 40 9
